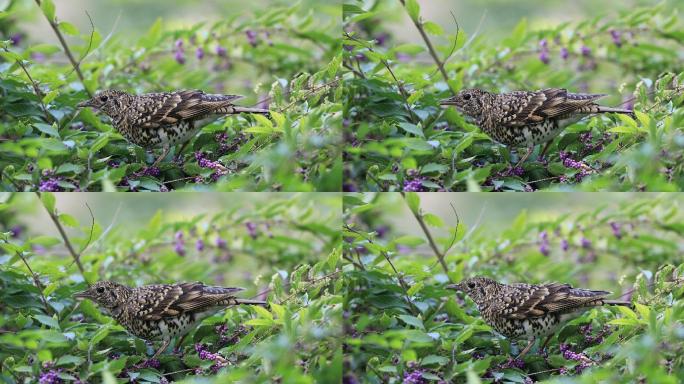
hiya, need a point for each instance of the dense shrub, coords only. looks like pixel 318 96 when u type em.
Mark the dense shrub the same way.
pixel 403 326
pixel 285 251
pixel 398 138
pixel 281 57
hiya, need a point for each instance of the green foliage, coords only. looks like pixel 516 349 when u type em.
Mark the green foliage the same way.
pixel 286 251
pixel 398 137
pixel 283 57
pixel 404 324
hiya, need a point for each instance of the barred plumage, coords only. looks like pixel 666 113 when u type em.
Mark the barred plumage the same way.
pixel 526 118
pixel 164 119
pixel 162 311
pixel 530 311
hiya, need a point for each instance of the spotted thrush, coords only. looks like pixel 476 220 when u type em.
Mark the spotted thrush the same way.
pixel 526 118
pixel 530 311
pixel 161 311
pixel 164 119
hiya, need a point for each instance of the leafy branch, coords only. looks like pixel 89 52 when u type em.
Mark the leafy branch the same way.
pixel 37 283
pixel 36 89
pixel 48 8
pixel 49 205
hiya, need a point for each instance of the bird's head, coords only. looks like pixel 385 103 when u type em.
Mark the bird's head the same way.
pixel 469 102
pixel 107 294
pixel 108 101
pixel 475 287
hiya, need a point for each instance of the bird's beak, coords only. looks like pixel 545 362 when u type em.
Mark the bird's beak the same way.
pixel 82 295
pixel 449 101
pixel 83 104
pixel 455 287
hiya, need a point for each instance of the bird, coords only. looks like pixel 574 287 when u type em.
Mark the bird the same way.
pixel 526 118
pixel 527 310
pixel 162 311
pixel 163 119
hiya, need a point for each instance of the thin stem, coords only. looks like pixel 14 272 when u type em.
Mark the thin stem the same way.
pixel 67 51
pixel 402 283
pixel 431 48
pixel 76 256
pixel 431 241
pixel 48 117
pixel 38 284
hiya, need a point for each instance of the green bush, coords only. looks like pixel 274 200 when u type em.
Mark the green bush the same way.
pixel 285 251
pixel 403 326
pixel 398 138
pixel 283 57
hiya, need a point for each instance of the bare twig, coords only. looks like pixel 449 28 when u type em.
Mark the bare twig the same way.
pixel 90 43
pixel 431 48
pixel 38 284
pixel 76 256
pixel 67 51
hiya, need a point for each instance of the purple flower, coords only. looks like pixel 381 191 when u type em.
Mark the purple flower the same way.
pixel 415 185
pixel 564 53
pixel 586 243
pixel 199 53
pixel 179 56
pixel 251 229
pixel 16 38
pixel 179 44
pixel 615 35
pixel 251 37
pixel 50 377
pixel 544 56
pixel 49 185
pixel 382 38
pixel 199 245
pixel 220 51
pixel 178 236
pixel 414 377
pixel 586 51
pixel 615 227
pixel 221 244
pixel 564 245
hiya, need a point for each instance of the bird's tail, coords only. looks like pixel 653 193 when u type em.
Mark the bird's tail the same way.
pixel 251 302
pixel 618 302
pixel 250 110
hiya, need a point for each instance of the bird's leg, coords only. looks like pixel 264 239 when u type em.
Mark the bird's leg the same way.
pixel 165 151
pixel 161 349
pixel 522 160
pixel 546 147
pixel 546 342
pixel 524 351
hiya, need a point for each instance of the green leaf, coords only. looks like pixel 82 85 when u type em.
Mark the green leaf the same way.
pixel 68 220
pixel 413 201
pixel 433 220
pixel 262 312
pixel 47 320
pixel 412 128
pixel 433 28
pixel 47 99
pixel 45 241
pixel 411 241
pixel 69 28
pixel 413 9
pixel 412 320
pixel 48 129
pixel 48 8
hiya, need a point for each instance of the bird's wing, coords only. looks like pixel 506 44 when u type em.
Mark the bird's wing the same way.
pixel 171 300
pixel 170 108
pixel 537 300
pixel 525 108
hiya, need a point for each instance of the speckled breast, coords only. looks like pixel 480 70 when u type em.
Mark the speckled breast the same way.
pixel 154 137
pixel 165 328
pixel 527 135
pixel 531 327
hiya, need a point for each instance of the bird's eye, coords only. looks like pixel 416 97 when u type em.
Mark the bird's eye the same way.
pixel 100 289
pixel 466 96
pixel 103 98
pixel 471 285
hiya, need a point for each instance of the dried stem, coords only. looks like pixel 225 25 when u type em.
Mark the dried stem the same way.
pixel 67 51
pixel 38 284
pixel 76 256
pixel 431 48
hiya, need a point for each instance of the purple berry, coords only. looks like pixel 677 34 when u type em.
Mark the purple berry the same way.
pixel 586 51
pixel 564 53
pixel 199 53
